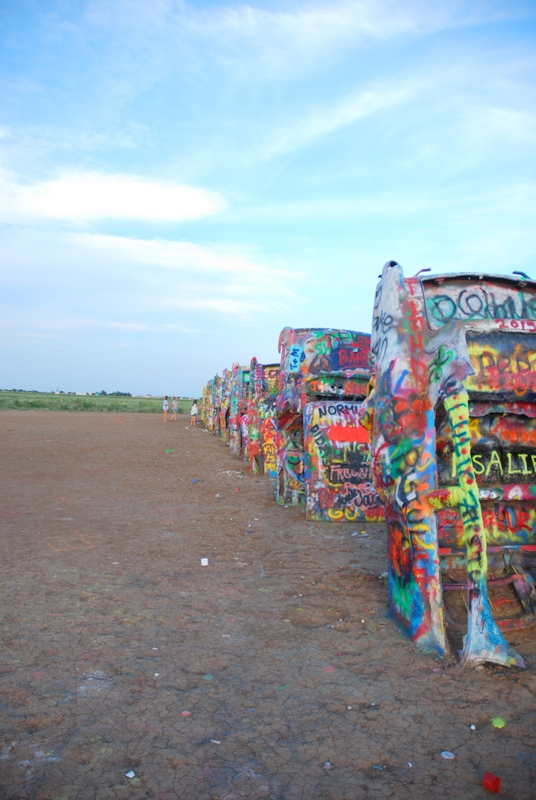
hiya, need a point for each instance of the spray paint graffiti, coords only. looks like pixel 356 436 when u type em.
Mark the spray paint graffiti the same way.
pixel 263 429
pixel 465 298
pixel 206 410
pixel 337 465
pixel 323 367
pixel 238 406
pixel 223 405
pixel 451 419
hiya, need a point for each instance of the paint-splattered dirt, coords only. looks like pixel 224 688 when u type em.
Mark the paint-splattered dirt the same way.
pixel 238 680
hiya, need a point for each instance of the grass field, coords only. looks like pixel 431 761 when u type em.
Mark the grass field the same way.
pixel 24 401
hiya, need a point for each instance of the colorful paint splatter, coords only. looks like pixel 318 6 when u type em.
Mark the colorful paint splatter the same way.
pixel 450 416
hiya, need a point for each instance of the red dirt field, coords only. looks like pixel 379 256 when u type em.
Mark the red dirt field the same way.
pixel 280 651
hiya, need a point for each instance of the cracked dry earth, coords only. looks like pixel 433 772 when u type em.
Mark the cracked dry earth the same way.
pixel 280 651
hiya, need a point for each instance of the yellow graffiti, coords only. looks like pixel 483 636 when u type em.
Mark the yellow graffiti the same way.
pixel 424 545
pixel 483 467
pixel 494 459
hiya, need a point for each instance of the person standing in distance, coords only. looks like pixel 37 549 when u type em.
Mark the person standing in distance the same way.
pixel 193 414
pixel 174 408
pixel 165 407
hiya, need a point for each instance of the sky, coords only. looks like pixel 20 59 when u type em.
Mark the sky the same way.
pixel 179 180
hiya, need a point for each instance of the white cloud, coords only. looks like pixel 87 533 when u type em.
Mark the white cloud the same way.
pixel 135 282
pixel 506 125
pixel 195 260
pixel 329 118
pixel 288 42
pixel 27 325
pixel 80 196
pixel 255 41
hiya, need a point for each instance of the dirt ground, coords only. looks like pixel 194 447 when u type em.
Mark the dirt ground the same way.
pixel 120 652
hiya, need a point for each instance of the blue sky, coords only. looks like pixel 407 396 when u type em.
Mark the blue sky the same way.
pixel 180 180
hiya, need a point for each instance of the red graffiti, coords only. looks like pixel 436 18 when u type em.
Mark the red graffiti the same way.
pixel 345 433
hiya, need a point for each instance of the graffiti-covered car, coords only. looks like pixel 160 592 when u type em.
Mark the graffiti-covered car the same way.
pixel 224 409
pixel 207 405
pixel 452 418
pixel 215 405
pixel 238 409
pixel 263 427
pixel 324 455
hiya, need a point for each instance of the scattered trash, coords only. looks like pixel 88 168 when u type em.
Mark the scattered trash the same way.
pixel 285 686
pixel 131 774
pixel 250 529
pixel 237 489
pixel 226 635
pixel 156 674
pixel 285 620
pixel 208 677
pixel 349 708
pixel 204 562
pixel 410 764
pixel 216 495
pixel 498 722
pixel 377 766
pixel 231 472
pixel 354 534
pixel 186 713
pixel 327 765
pixel 383 575
pixel 491 782
pixel 194 480
pixel 363 621
pixel 169 450
pixel 155 648
pixel 215 741
pixel 472 727
pixel 447 754
pixel 115 562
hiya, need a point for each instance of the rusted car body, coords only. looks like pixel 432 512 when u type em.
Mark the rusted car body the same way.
pixel 263 428
pixel 452 418
pixel 238 409
pixel 324 455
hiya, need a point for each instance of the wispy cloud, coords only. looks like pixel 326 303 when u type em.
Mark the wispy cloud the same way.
pixel 81 196
pixel 223 262
pixel 28 326
pixel 322 120
pixel 276 37
pixel 490 124
pixel 134 281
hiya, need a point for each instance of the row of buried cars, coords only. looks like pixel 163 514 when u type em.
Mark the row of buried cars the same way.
pixel 428 423
pixel 297 421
